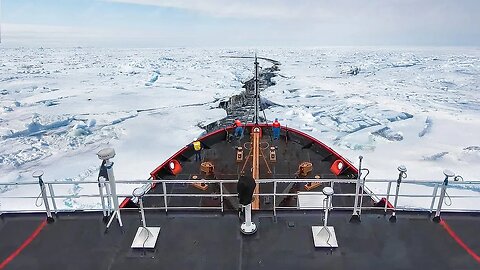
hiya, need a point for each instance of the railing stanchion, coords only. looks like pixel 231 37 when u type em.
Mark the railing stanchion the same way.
pixel 275 198
pixel 105 155
pixel 105 211
pixel 221 195
pixel 434 196
pixel 164 187
pixel 447 174
pixel 52 196
pixel 48 189
pixel 363 191
pixel 388 196
pixel 402 173
pixel 109 201
pixel 356 214
pixel 332 182
pixel 43 192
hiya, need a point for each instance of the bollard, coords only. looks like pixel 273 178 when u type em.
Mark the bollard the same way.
pixel 43 192
pixel 356 215
pixel 447 174
pixel 402 173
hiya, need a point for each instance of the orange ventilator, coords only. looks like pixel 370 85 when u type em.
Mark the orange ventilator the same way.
pixel 174 166
pixel 312 185
pixel 199 185
pixel 337 167
pixel 305 168
pixel 207 167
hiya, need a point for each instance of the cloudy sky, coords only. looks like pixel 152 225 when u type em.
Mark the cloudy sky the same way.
pixel 240 23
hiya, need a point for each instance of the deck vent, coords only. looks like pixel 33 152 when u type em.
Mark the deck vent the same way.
pixel 273 154
pixel 239 154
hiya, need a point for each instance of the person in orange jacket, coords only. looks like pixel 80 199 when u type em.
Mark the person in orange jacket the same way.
pixel 276 129
pixel 238 128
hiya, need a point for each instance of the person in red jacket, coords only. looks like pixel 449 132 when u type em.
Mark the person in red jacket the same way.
pixel 276 129
pixel 238 128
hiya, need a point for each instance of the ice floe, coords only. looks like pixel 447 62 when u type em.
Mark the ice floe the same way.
pixel 148 103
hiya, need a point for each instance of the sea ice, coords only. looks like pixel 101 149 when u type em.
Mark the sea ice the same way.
pixel 83 99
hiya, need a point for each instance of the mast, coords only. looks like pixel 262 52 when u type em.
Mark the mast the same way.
pixel 256 91
pixel 256 143
pixel 256 166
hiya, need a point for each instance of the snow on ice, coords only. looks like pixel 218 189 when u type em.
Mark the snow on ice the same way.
pixel 414 106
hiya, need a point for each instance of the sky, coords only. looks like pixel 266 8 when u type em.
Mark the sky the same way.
pixel 239 23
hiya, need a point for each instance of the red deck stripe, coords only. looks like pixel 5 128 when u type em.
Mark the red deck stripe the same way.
pixel 459 241
pixel 23 245
pixel 124 202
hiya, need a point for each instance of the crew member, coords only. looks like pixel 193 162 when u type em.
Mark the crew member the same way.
pixel 197 148
pixel 238 128
pixel 276 129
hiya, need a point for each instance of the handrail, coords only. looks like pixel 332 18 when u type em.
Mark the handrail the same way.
pixel 261 181
pixel 53 194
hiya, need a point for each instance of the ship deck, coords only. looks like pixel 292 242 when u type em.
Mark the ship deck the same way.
pixel 209 240
pixel 292 149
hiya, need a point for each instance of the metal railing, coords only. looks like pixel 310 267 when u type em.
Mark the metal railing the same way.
pixel 106 191
pixel 49 191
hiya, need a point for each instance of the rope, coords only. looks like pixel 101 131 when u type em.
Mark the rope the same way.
pixel 36 201
pixel 325 201
pixel 368 172
pixel 450 199
pixel 146 239
pixel 363 187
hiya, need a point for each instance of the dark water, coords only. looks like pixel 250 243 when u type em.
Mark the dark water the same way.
pixel 242 106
